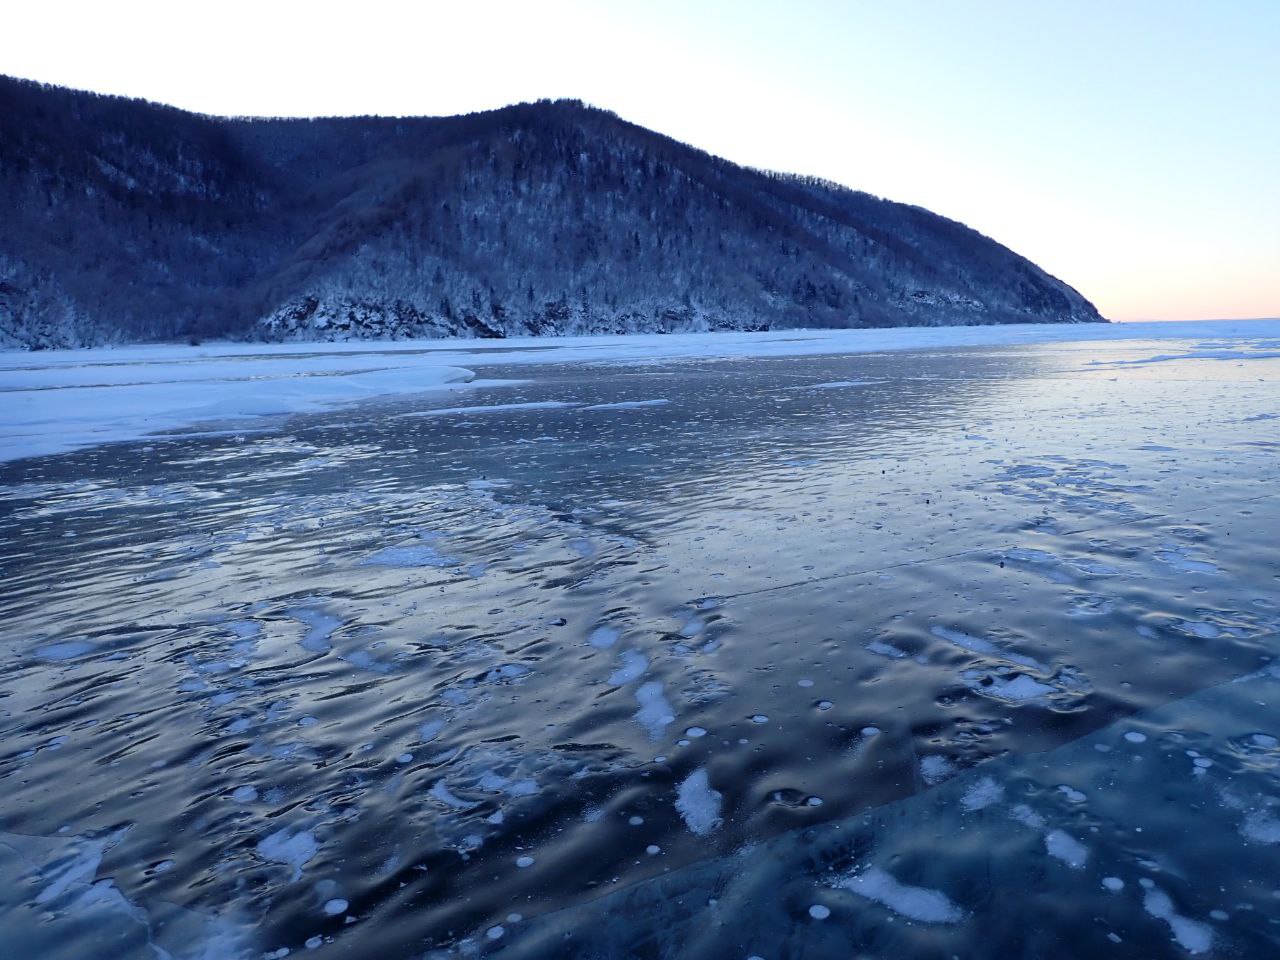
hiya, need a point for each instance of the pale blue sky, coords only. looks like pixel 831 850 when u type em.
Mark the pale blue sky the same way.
pixel 1130 147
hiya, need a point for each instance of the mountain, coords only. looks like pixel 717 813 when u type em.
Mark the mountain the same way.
pixel 127 220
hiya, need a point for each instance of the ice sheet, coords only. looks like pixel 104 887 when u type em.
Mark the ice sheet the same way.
pixel 55 401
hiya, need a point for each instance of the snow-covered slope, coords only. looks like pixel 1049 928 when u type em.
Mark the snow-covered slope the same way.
pixel 129 220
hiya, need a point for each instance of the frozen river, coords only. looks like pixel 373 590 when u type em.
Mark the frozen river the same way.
pixel 957 650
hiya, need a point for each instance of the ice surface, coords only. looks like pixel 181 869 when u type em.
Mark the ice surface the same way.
pixel 320 628
pixel 745 552
pixel 493 408
pixel 915 903
pixel 627 405
pixel 65 650
pixel 77 869
pixel 112 394
pixel 835 384
pixel 408 555
pixel 440 790
pixel 1192 355
pixel 632 668
pixel 1180 559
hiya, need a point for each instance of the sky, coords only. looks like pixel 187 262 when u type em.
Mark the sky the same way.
pixel 1129 147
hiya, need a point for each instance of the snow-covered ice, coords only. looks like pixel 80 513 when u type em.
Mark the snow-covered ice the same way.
pixel 63 400
pixel 698 804
pixel 914 903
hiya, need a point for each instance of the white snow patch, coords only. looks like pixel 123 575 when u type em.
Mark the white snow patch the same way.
pixel 430 730
pixel 981 645
pixel 1261 827
pixel 1192 935
pixel 697 803
pixel 1015 689
pixel 320 628
pixel 1177 558
pixel 1066 848
pixel 441 792
pixel 655 713
pixel 886 650
pixel 981 794
pixel 915 903
pixel 964 640
pixel 1026 816
pixel 935 768
pixel 839 384
pixel 603 637
pixel 73 399
pixel 292 848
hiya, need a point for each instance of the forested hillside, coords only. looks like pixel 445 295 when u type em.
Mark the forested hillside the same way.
pixel 125 220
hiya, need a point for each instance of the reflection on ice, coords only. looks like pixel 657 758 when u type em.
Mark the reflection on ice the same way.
pixel 753 670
